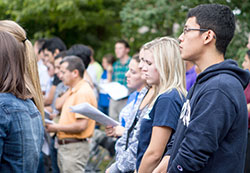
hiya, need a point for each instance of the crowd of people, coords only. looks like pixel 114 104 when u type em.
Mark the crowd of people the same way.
pixel 188 109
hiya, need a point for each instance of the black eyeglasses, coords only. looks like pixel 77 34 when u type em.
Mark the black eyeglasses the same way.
pixel 185 30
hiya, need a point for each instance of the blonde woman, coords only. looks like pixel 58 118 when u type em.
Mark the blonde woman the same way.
pixel 165 71
pixel 31 72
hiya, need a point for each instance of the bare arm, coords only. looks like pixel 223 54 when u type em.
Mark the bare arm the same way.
pixel 155 150
pixel 60 100
pixel 48 99
pixel 76 127
pixel 109 73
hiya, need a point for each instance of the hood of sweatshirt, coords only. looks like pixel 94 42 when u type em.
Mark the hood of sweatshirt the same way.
pixel 226 67
pixel 213 121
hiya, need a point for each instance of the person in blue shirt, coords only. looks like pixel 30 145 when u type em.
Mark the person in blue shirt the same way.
pixel 103 100
pixel 165 72
pixel 211 135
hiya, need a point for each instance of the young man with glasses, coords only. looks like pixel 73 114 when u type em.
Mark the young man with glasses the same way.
pixel 211 134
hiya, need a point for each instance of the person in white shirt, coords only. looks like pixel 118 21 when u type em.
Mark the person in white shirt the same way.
pixel 42 69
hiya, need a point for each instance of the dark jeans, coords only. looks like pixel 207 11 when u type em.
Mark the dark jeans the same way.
pixel 41 164
pixel 53 156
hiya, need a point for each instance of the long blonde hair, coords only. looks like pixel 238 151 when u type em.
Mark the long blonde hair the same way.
pixel 169 64
pixel 31 72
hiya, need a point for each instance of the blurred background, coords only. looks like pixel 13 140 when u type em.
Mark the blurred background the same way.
pixel 99 23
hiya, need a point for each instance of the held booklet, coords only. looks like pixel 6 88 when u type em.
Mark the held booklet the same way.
pixel 90 111
pixel 47 117
pixel 115 90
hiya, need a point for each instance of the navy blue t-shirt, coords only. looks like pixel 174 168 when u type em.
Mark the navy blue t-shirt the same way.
pixel 165 113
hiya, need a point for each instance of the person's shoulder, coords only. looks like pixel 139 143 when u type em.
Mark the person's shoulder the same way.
pixel 85 85
pixel 116 62
pixel 223 81
pixel 8 98
pixel 223 86
pixel 85 89
pixel 11 103
pixel 170 94
pixel 42 68
pixel 97 65
pixel 170 97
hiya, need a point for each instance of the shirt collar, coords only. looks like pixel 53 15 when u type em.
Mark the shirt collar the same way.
pixel 78 86
pixel 126 64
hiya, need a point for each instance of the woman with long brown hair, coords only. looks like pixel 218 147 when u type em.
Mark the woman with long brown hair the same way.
pixel 21 128
pixel 31 73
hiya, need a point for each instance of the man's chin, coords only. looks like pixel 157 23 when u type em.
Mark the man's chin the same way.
pixel 64 83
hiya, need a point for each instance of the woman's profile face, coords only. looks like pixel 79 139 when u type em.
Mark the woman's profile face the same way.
pixel 149 69
pixel 134 76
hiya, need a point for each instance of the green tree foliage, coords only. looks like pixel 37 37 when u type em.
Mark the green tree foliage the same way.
pixel 99 23
pixel 155 17
pixel 91 22
pixel 160 17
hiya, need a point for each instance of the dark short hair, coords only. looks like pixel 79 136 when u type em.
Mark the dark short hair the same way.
pixel 136 57
pixel 82 52
pixel 12 66
pixel 219 18
pixel 62 54
pixel 124 42
pixel 74 63
pixel 40 42
pixel 53 44
pixel 110 58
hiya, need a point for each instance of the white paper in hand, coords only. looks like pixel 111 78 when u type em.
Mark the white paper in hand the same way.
pixel 47 121
pixel 115 90
pixel 88 110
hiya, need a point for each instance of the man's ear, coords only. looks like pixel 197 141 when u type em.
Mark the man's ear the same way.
pixel 56 52
pixel 75 73
pixel 209 36
pixel 127 50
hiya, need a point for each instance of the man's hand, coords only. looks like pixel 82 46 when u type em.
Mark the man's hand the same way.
pixel 52 116
pixel 110 130
pixel 52 127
